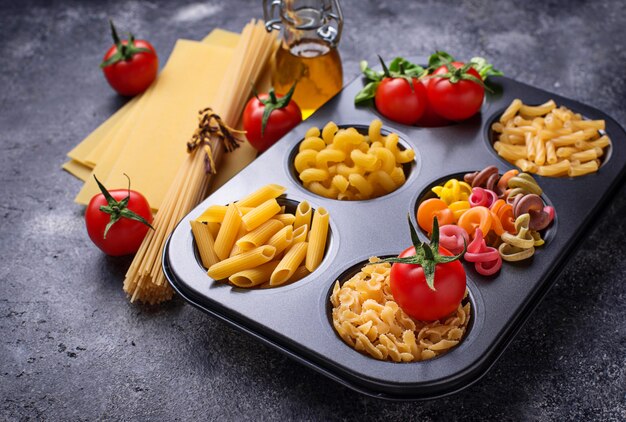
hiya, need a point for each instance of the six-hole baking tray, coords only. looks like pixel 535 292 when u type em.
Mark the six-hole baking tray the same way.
pixel 295 319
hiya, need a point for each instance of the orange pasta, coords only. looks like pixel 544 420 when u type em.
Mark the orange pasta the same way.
pixel 504 213
pixel 434 208
pixel 477 217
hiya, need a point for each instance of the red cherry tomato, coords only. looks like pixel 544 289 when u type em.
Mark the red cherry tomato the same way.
pixel 411 292
pixel 125 236
pixel 397 101
pixel 430 118
pixel 285 115
pixel 455 101
pixel 130 66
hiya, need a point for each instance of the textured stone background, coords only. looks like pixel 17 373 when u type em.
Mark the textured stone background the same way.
pixel 73 348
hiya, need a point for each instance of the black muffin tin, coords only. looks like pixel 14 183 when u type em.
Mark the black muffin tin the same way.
pixel 295 319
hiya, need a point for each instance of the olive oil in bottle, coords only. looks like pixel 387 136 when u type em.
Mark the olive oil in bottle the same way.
pixel 308 52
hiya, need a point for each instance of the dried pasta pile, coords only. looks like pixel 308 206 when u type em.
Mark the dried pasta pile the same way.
pixel 550 141
pixel 254 242
pixel 368 319
pixel 145 280
pixel 347 165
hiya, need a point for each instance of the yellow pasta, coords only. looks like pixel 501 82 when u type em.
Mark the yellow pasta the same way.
pixel 305 159
pixel 312 143
pixel 266 247
pixel 367 318
pixel 550 141
pixel 262 195
pixel 259 236
pixel 253 276
pixel 314 175
pixel 303 215
pixel 286 219
pixel 243 261
pixel 351 165
pixel 288 265
pixel 260 214
pixel 205 242
pixel 228 231
pixel 300 234
pixel 216 213
pixel 317 238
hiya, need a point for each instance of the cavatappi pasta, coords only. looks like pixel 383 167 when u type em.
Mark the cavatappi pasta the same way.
pixel 550 141
pixel 368 319
pixel 254 242
pixel 348 165
pixel 498 217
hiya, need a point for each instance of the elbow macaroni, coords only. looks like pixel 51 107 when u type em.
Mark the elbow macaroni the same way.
pixel 347 165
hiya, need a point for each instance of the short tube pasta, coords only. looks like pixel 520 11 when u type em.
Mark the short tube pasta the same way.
pixel 288 265
pixel 205 242
pixel 260 214
pixel 549 140
pixel 243 261
pixel 228 231
pixel 317 239
pixel 270 250
pixel 253 276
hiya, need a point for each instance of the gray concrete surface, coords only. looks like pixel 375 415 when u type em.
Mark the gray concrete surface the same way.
pixel 73 348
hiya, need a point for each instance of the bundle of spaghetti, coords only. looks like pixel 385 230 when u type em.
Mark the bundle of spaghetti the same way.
pixel 145 280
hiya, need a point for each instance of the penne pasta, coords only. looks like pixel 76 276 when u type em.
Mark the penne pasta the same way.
pixel 253 276
pixel 282 239
pixel 260 214
pixel 243 261
pixel 261 195
pixel 303 215
pixel 228 231
pixel 288 265
pixel 205 243
pixel 259 236
pixel 317 239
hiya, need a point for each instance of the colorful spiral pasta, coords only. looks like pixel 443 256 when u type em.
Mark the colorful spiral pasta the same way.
pixel 520 246
pixel 487 260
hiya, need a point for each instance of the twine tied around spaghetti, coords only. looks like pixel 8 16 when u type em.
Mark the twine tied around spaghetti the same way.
pixel 212 125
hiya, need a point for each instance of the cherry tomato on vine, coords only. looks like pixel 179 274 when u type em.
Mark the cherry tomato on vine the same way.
pixel 427 281
pixel 456 91
pixel 429 117
pixel 268 117
pixel 130 66
pixel 400 100
pixel 118 220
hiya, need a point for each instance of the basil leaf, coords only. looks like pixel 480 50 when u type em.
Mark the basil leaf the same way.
pixel 484 68
pixel 369 73
pixel 367 93
pixel 400 66
pixel 439 58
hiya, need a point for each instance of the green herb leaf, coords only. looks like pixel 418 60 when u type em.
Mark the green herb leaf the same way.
pixel 484 68
pixel 370 73
pixel 439 58
pixel 367 93
pixel 402 66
